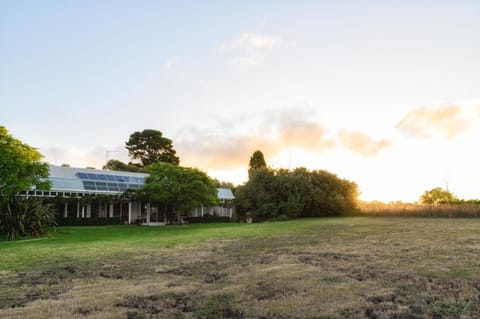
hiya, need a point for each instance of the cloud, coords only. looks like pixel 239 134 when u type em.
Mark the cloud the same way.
pixel 362 144
pixel 170 63
pixel 447 121
pixel 249 48
pixel 221 152
pixel 250 42
pixel 295 130
pixel 272 134
pixel 83 157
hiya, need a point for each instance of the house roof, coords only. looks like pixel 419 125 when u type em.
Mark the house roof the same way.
pixel 71 179
pixel 83 180
pixel 225 193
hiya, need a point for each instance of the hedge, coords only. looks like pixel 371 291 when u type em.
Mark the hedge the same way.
pixel 207 219
pixel 73 221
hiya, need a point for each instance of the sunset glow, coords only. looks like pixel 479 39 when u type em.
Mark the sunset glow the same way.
pixel 385 95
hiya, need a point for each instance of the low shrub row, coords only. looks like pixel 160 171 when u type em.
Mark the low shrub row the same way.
pixel 207 219
pixel 73 221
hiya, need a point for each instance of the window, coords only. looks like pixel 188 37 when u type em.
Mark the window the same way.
pixel 120 178
pixel 113 187
pixel 101 186
pixel 88 185
pixel 82 175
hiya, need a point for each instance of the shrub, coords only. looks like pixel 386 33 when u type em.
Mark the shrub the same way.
pixel 207 219
pixel 73 221
pixel 25 217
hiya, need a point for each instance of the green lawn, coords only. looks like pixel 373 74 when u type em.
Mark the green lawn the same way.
pixel 360 267
pixel 92 242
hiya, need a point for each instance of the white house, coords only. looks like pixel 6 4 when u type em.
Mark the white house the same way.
pixel 98 193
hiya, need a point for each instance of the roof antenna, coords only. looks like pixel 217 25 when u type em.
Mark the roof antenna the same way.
pixel 289 159
pixel 446 182
pixel 108 152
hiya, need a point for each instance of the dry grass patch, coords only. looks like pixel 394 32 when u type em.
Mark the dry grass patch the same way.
pixel 358 268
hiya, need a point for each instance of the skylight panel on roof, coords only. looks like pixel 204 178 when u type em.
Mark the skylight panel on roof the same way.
pixel 82 175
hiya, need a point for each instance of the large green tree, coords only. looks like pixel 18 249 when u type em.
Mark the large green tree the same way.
pixel 437 196
pixel 150 146
pixel 179 189
pixel 20 170
pixel 281 194
pixel 20 167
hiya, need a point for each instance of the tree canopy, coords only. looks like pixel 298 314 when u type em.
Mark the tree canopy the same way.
pixel 282 194
pixel 257 161
pixel 116 165
pixel 150 146
pixel 20 167
pixel 438 196
pixel 180 189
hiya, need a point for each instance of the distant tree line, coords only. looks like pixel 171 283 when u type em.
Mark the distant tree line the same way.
pixel 273 194
pixel 440 196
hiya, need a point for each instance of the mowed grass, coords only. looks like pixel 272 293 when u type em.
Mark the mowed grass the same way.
pixel 362 267
pixel 94 242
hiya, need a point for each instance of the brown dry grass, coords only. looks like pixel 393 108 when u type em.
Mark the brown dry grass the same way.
pixel 419 210
pixel 355 268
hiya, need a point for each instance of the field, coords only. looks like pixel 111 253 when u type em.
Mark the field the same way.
pixel 361 267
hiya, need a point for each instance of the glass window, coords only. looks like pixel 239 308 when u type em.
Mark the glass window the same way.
pixel 101 177
pixel 133 179
pixel 88 185
pixel 113 187
pixel 101 186
pixel 110 178
pixel 82 175
pixel 91 176
pixel 122 187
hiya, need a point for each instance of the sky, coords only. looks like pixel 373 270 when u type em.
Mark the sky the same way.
pixel 382 93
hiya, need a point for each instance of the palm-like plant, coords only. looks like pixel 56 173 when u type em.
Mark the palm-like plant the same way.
pixel 25 216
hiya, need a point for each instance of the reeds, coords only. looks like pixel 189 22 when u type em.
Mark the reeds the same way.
pixel 419 210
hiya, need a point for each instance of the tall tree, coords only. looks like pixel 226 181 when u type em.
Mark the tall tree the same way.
pixel 257 161
pixel 150 146
pixel 180 189
pixel 20 167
